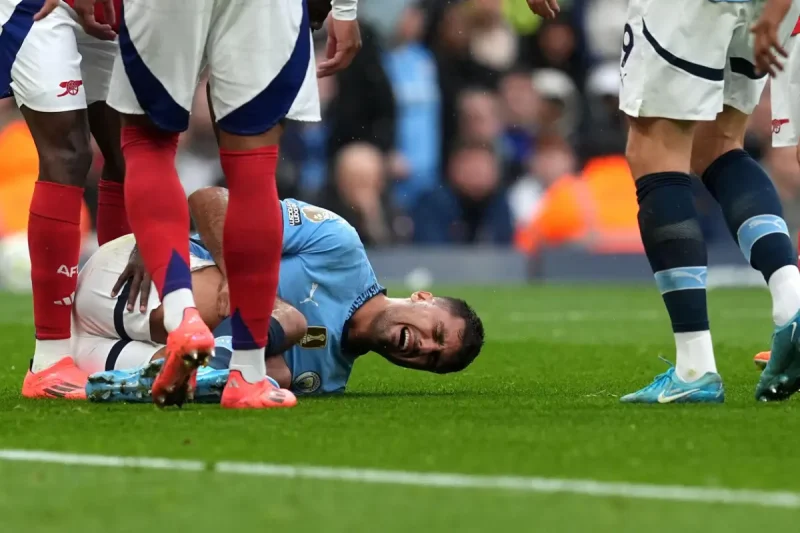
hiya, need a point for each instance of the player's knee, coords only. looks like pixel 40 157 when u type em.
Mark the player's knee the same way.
pixel 715 139
pixel 658 145
pixel 66 159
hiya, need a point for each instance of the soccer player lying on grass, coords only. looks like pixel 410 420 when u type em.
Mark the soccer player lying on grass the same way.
pixel 331 310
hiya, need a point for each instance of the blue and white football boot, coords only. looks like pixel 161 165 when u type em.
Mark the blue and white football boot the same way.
pixel 781 376
pixel 669 388
pixel 134 386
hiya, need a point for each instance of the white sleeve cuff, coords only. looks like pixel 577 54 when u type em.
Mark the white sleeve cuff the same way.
pixel 344 9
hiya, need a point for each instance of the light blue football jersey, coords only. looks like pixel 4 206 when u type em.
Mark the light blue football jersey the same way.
pixel 325 274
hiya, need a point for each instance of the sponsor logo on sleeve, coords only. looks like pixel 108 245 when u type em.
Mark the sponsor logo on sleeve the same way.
pixel 294 214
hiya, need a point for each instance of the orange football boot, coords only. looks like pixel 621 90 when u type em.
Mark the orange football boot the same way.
pixel 188 347
pixel 761 360
pixel 62 380
pixel 241 394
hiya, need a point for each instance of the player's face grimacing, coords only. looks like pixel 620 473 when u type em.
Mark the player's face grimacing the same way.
pixel 425 333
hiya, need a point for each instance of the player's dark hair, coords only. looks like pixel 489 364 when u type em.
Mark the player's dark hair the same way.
pixel 472 338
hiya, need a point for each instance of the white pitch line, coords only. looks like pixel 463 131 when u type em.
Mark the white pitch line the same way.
pixel 678 493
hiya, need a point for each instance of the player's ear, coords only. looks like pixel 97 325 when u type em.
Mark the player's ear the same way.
pixel 421 296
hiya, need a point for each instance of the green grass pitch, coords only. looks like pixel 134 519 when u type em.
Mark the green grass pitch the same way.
pixel 542 400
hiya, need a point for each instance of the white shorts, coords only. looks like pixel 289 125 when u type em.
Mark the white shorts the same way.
pixel 785 97
pixel 106 335
pixel 51 65
pixel 259 55
pixel 685 59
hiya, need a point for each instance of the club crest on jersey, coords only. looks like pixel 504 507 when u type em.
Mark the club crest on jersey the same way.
pixel 317 214
pixel 778 123
pixel 70 87
pixel 294 214
pixel 316 337
pixel 307 382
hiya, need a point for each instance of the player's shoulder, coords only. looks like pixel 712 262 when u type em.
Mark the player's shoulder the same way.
pixel 300 212
pixel 310 218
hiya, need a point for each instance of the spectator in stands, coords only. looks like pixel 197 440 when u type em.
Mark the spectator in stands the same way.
pixel 364 107
pixel 416 163
pixel 448 36
pixel 556 45
pixel 561 108
pixel 358 187
pixel 603 21
pixel 521 107
pixel 596 211
pixel 471 208
pixel 552 160
pixel 604 129
pixel 479 117
pixel 493 43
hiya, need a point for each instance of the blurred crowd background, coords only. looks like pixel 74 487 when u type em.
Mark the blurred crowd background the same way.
pixel 460 122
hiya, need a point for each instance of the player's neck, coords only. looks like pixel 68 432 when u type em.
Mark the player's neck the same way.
pixel 359 325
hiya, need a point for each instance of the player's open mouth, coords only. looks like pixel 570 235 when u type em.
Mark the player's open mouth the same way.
pixel 405 338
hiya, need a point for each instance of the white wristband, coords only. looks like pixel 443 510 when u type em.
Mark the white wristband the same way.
pixel 344 9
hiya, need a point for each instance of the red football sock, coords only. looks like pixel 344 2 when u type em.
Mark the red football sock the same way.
pixel 156 205
pixel 112 219
pixel 253 240
pixel 54 239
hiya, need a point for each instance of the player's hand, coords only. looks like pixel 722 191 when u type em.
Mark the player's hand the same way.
pixel 545 8
pixel 344 42
pixel 766 41
pixel 85 11
pixel 224 300
pixel 139 279
pixel 47 8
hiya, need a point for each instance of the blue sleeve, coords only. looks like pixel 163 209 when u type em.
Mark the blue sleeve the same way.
pixel 320 236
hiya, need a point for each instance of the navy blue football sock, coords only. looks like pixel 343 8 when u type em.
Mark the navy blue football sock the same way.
pixel 675 247
pixel 752 211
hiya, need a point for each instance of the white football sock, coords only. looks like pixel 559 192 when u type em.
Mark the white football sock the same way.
pixel 784 285
pixel 48 353
pixel 175 304
pixel 250 363
pixel 695 355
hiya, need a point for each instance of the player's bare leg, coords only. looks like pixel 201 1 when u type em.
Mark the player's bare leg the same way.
pixel 112 219
pixel 253 238
pixel 62 142
pixel 159 217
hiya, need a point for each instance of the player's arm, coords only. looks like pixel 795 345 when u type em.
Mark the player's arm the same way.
pixel 208 207
pixel 344 38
